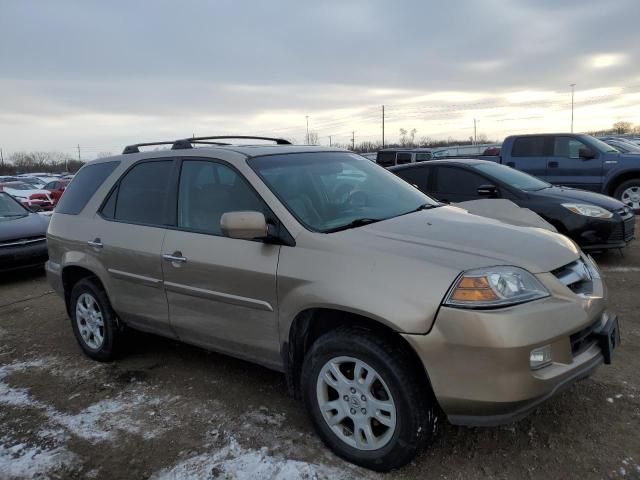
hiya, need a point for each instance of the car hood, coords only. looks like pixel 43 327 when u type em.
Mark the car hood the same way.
pixel 25 193
pixel 453 238
pixel 582 196
pixel 31 225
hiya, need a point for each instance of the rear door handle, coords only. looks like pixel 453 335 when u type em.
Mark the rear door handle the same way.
pixel 175 257
pixel 553 164
pixel 95 243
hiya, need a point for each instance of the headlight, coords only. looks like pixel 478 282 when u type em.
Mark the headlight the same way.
pixel 495 287
pixel 588 210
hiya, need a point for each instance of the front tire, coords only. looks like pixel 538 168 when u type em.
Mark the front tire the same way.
pixel 93 321
pixel 629 193
pixel 366 400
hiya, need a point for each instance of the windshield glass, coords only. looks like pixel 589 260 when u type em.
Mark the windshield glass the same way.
pixel 19 186
pixel 330 191
pixel 601 146
pixel 512 177
pixel 9 207
pixel 625 147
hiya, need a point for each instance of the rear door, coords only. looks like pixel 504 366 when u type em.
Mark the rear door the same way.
pixel 529 154
pixel 221 291
pixel 417 176
pixel 566 167
pixel 128 236
pixel 455 184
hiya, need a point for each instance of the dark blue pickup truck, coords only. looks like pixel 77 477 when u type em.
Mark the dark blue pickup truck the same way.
pixel 575 160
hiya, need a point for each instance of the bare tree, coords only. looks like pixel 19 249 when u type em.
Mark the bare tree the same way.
pixel 312 138
pixel 407 137
pixel 622 127
pixel 104 155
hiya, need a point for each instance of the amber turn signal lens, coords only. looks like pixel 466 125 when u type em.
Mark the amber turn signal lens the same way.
pixel 473 289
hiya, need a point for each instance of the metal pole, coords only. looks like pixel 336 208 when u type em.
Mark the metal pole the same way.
pixel 572 85
pixel 475 140
pixel 353 140
pixel 382 126
pixel 307 117
pixel 329 140
pixel 2 158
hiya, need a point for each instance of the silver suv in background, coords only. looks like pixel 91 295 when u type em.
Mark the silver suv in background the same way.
pixel 384 309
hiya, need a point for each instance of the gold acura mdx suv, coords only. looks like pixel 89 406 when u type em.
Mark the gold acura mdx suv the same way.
pixel 383 308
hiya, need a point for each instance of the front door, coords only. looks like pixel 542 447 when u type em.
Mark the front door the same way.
pixel 221 291
pixel 566 167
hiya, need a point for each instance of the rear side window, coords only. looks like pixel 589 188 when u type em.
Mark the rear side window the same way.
pixel 417 177
pixel 84 185
pixel 458 180
pixel 423 157
pixel 528 147
pixel 142 194
pixel 403 158
pixel 386 159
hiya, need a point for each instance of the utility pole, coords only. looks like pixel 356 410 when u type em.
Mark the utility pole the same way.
pixel 1 158
pixel 353 140
pixel 572 85
pixel 307 117
pixel 382 126
pixel 475 138
pixel 329 140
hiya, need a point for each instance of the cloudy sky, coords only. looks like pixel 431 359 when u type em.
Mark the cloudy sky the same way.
pixel 105 73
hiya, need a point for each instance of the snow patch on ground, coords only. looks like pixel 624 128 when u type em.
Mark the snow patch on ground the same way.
pixel 22 461
pixel 131 411
pixel 236 462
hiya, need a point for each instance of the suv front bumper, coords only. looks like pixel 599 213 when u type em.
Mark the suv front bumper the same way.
pixel 478 360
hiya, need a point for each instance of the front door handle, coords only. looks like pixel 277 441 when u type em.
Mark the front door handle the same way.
pixel 95 243
pixel 553 164
pixel 175 257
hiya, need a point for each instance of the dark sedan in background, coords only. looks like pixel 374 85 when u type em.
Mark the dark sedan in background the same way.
pixel 22 236
pixel 592 220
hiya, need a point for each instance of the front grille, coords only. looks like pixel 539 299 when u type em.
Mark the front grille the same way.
pixel 582 340
pixel 22 241
pixel 625 231
pixel 575 276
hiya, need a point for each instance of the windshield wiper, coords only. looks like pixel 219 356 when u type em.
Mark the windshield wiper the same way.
pixel 358 222
pixel 426 206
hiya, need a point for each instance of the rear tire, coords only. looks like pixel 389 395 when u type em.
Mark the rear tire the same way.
pixel 629 193
pixel 93 321
pixel 375 380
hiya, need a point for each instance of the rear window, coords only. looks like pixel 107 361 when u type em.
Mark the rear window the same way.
pixel 528 147
pixel 84 185
pixel 403 158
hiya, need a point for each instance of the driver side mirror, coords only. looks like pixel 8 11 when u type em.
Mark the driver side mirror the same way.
pixel 244 225
pixel 586 153
pixel 490 191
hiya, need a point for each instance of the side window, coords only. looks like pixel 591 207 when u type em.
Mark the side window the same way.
pixel 386 159
pixel 528 147
pixel 50 186
pixel 403 158
pixel 142 194
pixel 567 147
pixel 418 177
pixel 208 190
pixel 423 157
pixel 83 186
pixel 458 180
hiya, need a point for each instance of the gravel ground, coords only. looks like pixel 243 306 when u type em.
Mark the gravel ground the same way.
pixel 168 410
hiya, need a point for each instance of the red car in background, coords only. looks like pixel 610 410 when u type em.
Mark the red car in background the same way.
pixel 56 189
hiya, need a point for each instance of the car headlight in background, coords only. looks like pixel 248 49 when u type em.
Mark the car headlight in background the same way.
pixel 495 287
pixel 588 210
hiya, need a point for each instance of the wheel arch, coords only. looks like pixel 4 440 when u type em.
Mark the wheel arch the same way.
pixel 616 181
pixel 312 323
pixel 71 275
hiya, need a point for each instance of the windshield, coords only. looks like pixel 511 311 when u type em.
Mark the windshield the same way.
pixel 601 146
pixel 512 177
pixel 330 191
pixel 625 147
pixel 19 186
pixel 9 207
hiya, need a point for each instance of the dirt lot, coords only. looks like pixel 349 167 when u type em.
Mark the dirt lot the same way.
pixel 168 410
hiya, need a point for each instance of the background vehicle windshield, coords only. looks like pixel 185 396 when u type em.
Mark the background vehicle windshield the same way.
pixel 9 207
pixel 329 190
pixel 512 177
pixel 601 146
pixel 19 186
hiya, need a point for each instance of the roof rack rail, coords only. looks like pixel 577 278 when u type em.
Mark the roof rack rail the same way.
pixel 279 141
pixel 186 143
